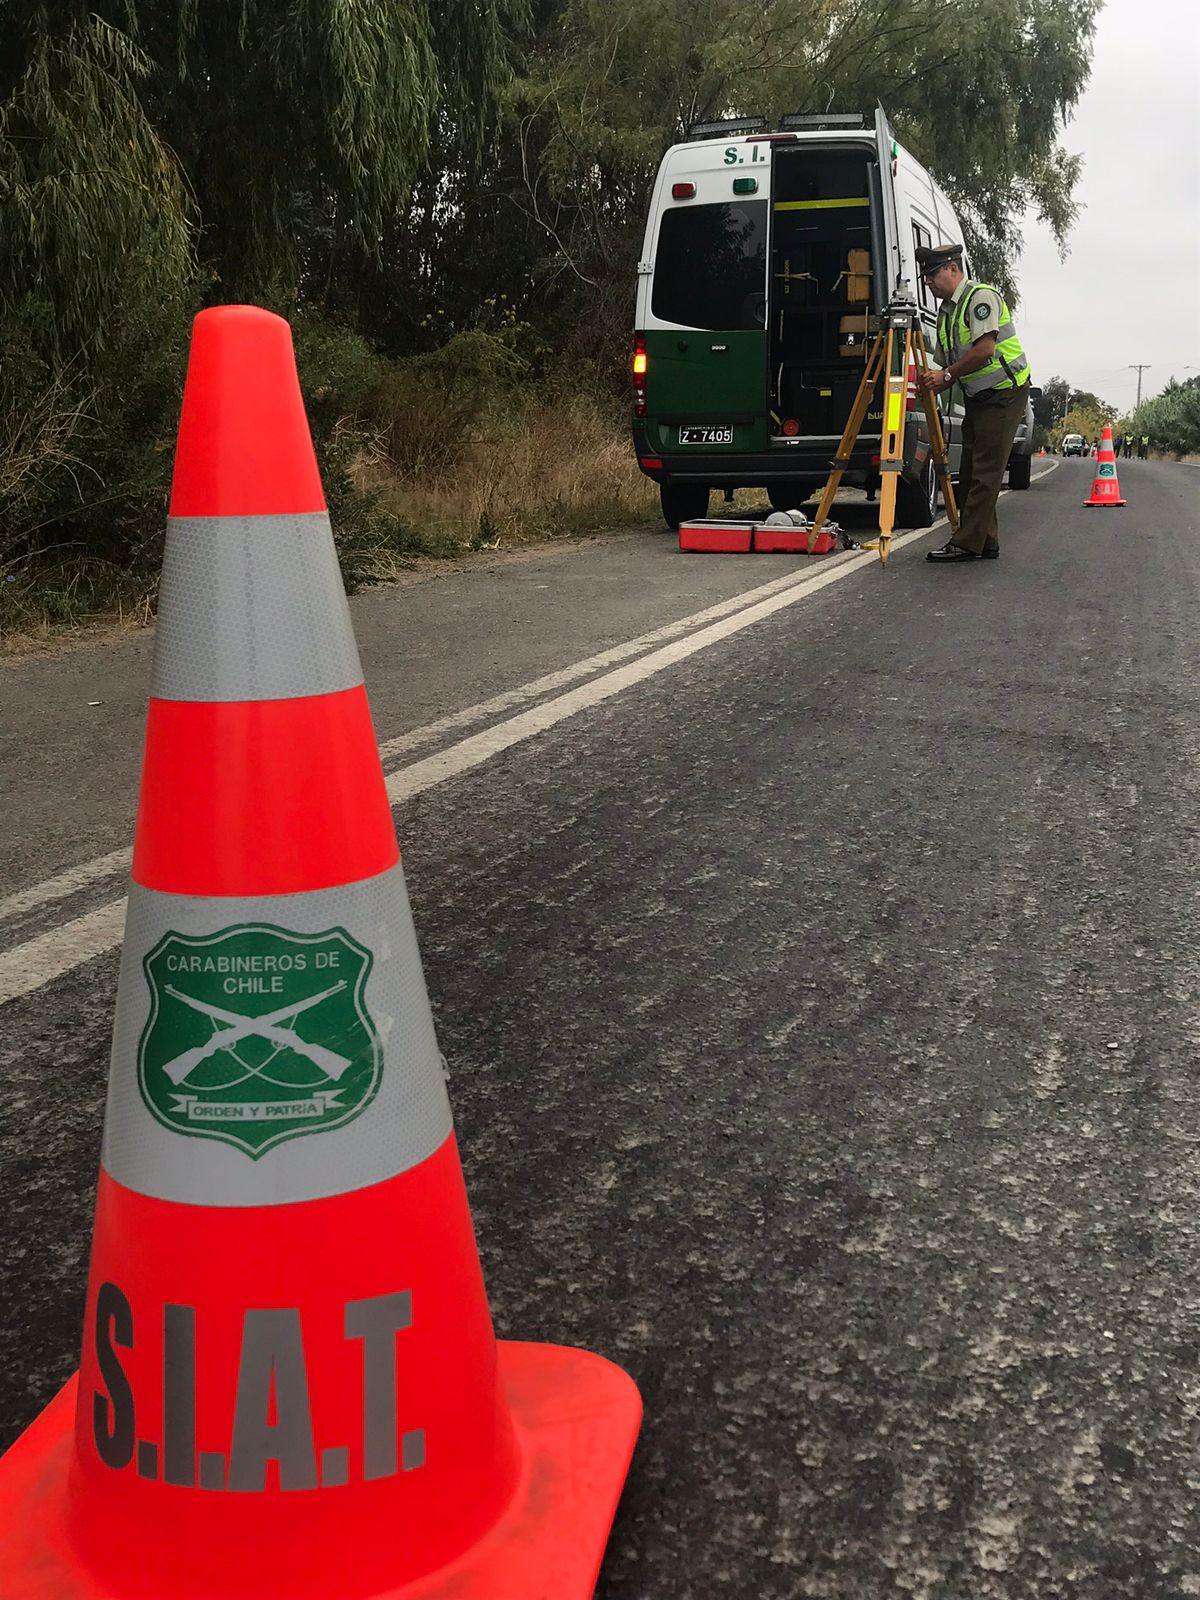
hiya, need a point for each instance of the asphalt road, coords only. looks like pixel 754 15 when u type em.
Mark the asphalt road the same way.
pixel 820 1004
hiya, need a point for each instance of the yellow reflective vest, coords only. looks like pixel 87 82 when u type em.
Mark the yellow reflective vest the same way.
pixel 1008 368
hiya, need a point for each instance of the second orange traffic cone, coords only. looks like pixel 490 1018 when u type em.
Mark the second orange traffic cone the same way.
pixel 1106 490
pixel 290 1388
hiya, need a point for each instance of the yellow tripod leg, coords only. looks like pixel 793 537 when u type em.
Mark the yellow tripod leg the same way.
pixel 937 439
pixel 891 442
pixel 858 413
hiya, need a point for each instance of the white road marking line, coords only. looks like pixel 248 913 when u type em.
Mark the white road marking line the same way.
pixel 65 883
pixel 38 961
pixel 579 669
pixel 28 966
pixel 482 746
pixel 118 861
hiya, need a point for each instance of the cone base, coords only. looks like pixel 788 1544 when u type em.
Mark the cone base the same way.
pixel 576 1416
pixel 1089 505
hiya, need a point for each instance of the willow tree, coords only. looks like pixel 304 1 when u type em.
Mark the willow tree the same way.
pixel 275 107
pixel 139 137
pixel 93 206
pixel 979 89
pixel 158 153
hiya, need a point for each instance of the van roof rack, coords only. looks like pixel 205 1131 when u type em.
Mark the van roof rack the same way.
pixel 822 119
pixel 725 126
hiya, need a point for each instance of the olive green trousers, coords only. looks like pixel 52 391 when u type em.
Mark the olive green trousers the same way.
pixel 989 428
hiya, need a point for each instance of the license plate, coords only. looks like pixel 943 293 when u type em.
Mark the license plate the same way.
pixel 696 434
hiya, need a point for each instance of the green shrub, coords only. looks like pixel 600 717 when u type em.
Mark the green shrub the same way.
pixel 1172 419
pixel 85 453
pixel 460 449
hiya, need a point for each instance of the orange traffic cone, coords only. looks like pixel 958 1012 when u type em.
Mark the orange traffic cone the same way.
pixel 1106 491
pixel 290 1386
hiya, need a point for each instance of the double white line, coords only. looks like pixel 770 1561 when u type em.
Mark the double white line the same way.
pixel 37 961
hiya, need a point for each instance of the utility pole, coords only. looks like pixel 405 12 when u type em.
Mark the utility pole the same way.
pixel 1133 366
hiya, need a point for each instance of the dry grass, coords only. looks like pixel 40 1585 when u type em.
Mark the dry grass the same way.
pixel 554 470
pixel 440 486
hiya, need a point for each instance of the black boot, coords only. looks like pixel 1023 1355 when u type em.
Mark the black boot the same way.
pixel 951 552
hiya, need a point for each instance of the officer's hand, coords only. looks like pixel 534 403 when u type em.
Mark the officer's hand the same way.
pixel 930 382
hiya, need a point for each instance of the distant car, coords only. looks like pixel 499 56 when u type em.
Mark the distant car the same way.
pixel 1073 445
pixel 1020 458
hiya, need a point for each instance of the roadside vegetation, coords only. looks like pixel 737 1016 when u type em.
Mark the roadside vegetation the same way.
pixel 447 203
pixel 1062 410
pixel 1170 420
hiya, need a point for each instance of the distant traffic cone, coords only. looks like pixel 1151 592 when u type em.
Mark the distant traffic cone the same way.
pixel 1106 491
pixel 290 1387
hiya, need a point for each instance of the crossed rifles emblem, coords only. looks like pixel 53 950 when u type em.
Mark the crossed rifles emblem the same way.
pixel 233 1026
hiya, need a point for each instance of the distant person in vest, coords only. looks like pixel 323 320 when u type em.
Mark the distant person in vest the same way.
pixel 1143 447
pixel 979 350
pixel 1128 447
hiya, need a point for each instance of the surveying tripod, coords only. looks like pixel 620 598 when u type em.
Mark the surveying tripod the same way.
pixel 899 315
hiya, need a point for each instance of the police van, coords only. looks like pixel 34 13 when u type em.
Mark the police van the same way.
pixel 765 256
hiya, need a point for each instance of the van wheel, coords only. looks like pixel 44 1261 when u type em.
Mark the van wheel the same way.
pixel 917 503
pixel 683 502
pixel 1018 471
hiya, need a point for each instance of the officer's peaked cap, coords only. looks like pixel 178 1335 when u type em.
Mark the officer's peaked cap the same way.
pixel 932 256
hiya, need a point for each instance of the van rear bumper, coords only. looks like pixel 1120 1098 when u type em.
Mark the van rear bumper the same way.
pixel 725 470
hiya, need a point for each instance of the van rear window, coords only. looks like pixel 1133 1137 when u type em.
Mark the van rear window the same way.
pixel 711 266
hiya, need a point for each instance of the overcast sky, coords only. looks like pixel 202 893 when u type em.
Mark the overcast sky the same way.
pixel 1129 289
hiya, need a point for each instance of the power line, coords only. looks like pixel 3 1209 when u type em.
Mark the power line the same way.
pixel 1134 367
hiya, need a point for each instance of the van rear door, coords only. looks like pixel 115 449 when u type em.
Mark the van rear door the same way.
pixel 704 318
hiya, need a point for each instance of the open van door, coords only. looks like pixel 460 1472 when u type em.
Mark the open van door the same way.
pixel 885 146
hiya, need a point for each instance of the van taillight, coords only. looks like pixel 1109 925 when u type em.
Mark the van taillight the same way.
pixel 640 363
pixel 910 402
pixel 683 191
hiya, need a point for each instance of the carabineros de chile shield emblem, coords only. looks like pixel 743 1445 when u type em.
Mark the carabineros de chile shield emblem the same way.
pixel 257 1034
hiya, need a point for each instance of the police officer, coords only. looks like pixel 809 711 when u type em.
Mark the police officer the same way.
pixel 1143 447
pixel 979 350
